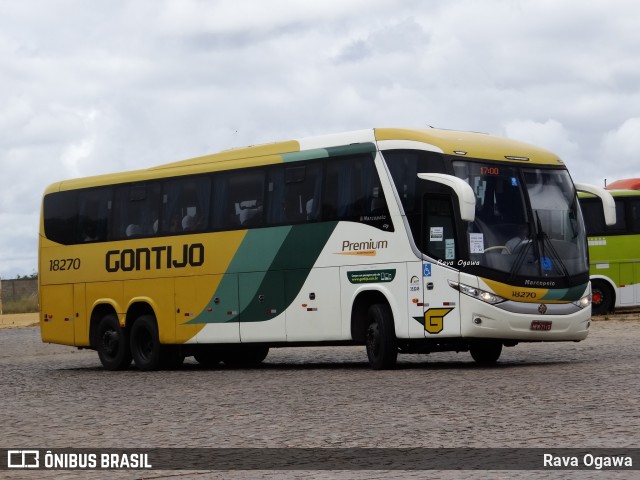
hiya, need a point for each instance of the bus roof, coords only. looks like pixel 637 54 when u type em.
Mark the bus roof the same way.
pixel 457 143
pixel 614 193
pixel 473 145
pixel 627 183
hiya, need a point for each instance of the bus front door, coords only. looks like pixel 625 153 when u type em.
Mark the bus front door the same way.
pixel 440 300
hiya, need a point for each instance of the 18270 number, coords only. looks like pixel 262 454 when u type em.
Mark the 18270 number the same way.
pixel 63 264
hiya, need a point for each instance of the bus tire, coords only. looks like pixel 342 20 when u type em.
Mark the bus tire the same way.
pixel 112 344
pixel 145 343
pixel 602 300
pixel 486 352
pixel 382 346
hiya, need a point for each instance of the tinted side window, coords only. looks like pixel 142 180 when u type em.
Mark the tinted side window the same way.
pixel 185 204
pixel 94 212
pixel 594 217
pixel 78 216
pixel 353 192
pixel 294 194
pixel 404 166
pixel 137 211
pixel 633 205
pixel 238 199
pixel 60 211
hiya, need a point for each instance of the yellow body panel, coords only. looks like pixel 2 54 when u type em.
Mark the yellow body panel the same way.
pixel 90 285
pixel 57 314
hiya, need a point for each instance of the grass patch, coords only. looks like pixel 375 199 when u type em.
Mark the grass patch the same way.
pixel 23 305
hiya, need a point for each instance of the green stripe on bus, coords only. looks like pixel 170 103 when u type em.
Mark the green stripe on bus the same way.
pixel 355 149
pixel 569 294
pixel 272 263
pixel 288 272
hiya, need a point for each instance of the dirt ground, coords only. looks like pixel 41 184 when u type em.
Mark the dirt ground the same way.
pixel 20 320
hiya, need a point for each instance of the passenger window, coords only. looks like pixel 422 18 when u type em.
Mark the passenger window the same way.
pixel 634 215
pixel 77 217
pixel 353 192
pixel 594 218
pixel 94 208
pixel 60 211
pixel 294 194
pixel 138 210
pixel 238 199
pixel 185 204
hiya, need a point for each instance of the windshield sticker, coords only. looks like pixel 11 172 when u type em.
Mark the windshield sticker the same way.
pixel 546 264
pixel 476 242
pixel 449 249
pixel 436 234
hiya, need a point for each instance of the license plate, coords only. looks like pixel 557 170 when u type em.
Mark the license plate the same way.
pixel 541 325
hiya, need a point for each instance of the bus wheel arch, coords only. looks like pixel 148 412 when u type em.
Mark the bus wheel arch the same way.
pixel 603 296
pixel 136 310
pixel 109 339
pixel 360 315
pixel 372 323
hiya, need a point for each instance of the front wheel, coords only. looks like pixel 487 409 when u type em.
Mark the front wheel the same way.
pixel 112 344
pixel 382 346
pixel 145 343
pixel 486 353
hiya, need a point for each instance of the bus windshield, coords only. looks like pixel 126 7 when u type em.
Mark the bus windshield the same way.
pixel 527 220
pixel 527 223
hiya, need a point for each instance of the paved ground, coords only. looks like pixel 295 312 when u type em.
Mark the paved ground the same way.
pixel 539 395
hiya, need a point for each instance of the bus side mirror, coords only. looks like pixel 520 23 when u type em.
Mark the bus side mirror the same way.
pixel 608 204
pixel 464 192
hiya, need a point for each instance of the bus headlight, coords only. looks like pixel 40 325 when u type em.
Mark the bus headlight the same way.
pixel 483 295
pixel 584 302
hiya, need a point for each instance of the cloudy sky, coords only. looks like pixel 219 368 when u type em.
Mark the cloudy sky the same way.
pixel 98 86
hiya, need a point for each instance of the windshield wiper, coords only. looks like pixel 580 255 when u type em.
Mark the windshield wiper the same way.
pixel 553 254
pixel 522 254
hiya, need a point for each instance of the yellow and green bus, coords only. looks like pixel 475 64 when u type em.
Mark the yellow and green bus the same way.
pixel 405 241
pixel 614 251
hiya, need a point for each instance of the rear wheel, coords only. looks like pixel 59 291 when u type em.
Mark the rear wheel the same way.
pixel 382 346
pixel 486 353
pixel 602 300
pixel 112 344
pixel 145 344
